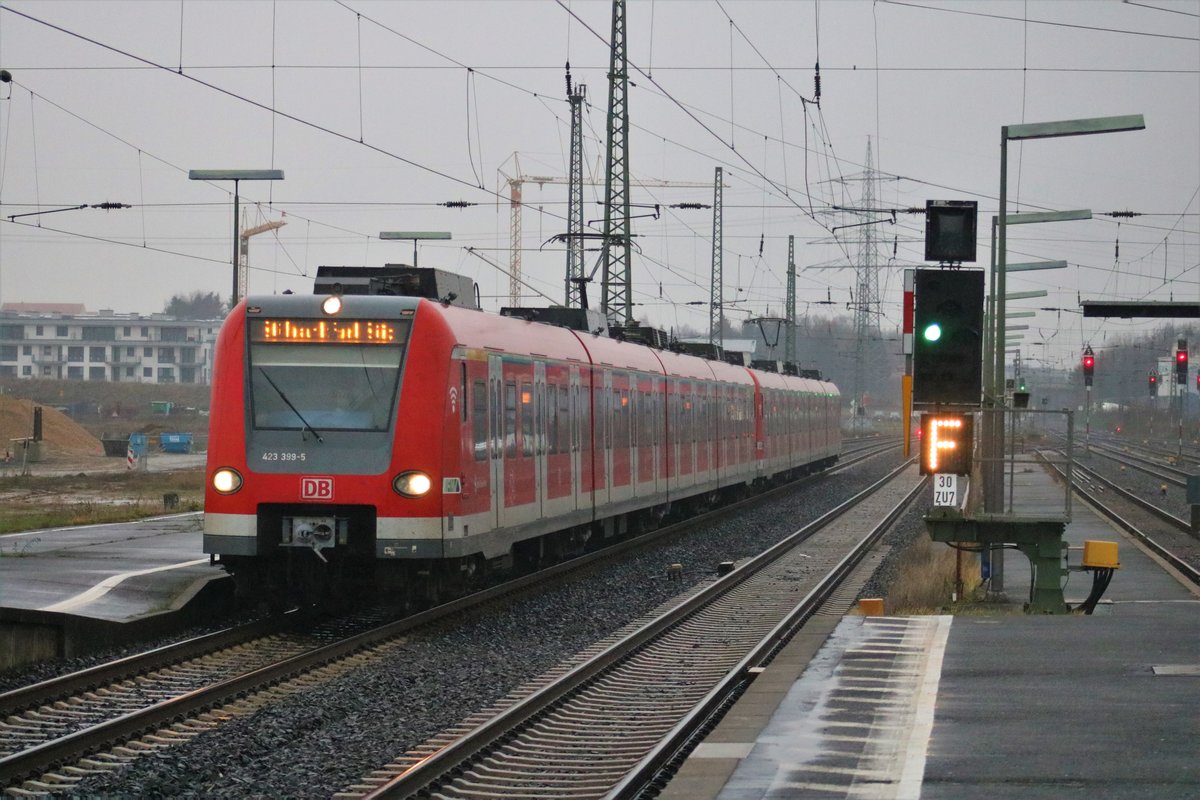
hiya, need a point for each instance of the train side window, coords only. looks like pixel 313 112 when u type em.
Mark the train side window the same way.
pixel 510 420
pixel 564 419
pixel 528 435
pixel 693 427
pixel 635 409
pixel 550 418
pixel 614 440
pixel 494 409
pixel 583 403
pixel 576 417
pixel 603 421
pixel 626 418
pixel 479 420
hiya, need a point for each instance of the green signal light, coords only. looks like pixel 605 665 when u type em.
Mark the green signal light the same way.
pixel 933 332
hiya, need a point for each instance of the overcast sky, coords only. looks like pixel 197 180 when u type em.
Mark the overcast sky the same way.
pixel 378 112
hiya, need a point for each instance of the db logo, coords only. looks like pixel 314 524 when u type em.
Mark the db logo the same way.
pixel 313 488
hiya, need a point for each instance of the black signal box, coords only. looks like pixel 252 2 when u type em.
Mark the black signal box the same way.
pixel 950 230
pixel 947 337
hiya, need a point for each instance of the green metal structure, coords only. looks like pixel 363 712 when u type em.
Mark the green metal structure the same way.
pixel 1040 540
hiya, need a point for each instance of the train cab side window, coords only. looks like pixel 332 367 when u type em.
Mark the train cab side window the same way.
pixel 479 420
pixel 510 420
pixel 463 392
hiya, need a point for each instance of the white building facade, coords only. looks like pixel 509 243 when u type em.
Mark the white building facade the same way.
pixel 70 343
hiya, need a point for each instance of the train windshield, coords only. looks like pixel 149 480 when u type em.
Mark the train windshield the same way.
pixel 322 387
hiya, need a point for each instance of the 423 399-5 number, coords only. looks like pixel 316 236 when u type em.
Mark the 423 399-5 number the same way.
pixel 287 455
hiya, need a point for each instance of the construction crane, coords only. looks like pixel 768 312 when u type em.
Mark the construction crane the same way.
pixel 244 251
pixel 515 205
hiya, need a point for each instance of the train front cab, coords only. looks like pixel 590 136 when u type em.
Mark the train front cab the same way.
pixel 329 450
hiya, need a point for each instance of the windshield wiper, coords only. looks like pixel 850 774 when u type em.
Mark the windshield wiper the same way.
pixel 283 397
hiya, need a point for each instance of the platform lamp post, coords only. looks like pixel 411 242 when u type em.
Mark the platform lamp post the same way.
pixel 1039 130
pixel 416 236
pixel 1015 133
pixel 237 176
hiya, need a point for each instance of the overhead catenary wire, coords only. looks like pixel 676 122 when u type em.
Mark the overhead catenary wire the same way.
pixel 785 145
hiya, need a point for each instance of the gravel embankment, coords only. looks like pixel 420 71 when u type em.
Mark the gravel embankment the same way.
pixel 317 743
pixel 1150 489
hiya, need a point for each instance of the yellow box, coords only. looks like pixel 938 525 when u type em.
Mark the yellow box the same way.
pixel 871 606
pixel 1100 555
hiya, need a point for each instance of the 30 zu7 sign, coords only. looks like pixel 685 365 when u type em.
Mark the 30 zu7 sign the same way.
pixel 947 443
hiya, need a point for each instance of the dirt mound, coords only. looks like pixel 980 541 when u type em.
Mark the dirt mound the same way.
pixel 62 435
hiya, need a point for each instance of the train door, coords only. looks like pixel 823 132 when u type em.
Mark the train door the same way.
pixel 496 436
pixel 760 427
pixel 541 431
pixel 581 397
pixel 687 433
pixel 670 438
pixel 576 427
pixel 475 464
pixel 519 501
pixel 647 442
pixel 621 464
pixel 604 411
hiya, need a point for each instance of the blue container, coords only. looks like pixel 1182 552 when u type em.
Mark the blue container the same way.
pixel 175 442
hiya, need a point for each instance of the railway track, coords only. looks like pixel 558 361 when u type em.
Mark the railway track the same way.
pixel 48 727
pixel 1167 536
pixel 1150 466
pixel 607 725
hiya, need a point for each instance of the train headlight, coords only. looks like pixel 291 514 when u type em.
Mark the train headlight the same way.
pixel 226 480
pixel 412 484
pixel 332 304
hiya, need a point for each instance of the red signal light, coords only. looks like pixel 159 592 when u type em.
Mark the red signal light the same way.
pixel 1089 362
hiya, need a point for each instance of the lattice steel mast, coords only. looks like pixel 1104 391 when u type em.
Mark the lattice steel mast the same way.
pixel 575 276
pixel 866 307
pixel 617 299
pixel 789 313
pixel 716 309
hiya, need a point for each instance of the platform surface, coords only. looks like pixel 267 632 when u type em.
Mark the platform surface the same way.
pixel 115 572
pixel 988 707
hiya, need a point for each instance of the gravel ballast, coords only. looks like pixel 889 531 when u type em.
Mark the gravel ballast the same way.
pixel 319 742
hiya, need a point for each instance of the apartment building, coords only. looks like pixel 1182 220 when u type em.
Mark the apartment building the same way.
pixel 65 341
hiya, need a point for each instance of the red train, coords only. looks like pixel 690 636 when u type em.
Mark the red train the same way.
pixel 377 441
